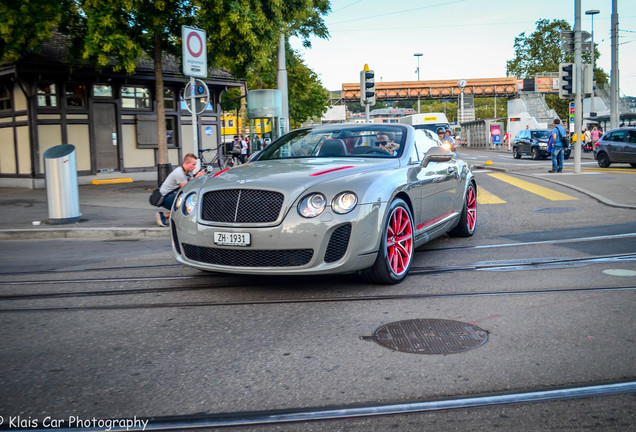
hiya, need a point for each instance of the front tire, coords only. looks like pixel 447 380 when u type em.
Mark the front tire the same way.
pixel 468 220
pixel 535 153
pixel 395 254
pixel 515 153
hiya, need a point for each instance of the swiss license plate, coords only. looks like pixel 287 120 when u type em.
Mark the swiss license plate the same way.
pixel 232 239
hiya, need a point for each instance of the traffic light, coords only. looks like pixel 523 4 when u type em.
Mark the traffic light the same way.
pixel 566 80
pixel 367 86
pixel 589 81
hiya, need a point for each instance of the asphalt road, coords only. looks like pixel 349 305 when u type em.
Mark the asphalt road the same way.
pixel 115 329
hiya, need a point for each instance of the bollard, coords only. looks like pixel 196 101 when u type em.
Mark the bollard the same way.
pixel 61 184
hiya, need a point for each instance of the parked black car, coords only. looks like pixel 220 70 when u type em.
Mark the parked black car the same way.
pixel 533 142
pixel 617 145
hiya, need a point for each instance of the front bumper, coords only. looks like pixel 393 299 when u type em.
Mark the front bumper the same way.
pixel 329 243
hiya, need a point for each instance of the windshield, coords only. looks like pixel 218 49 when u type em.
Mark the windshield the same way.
pixel 367 140
pixel 542 134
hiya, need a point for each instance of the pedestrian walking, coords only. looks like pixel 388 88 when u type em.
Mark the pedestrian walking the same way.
pixel 558 134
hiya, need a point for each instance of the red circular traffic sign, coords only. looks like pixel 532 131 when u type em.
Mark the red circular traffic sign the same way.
pixel 190 47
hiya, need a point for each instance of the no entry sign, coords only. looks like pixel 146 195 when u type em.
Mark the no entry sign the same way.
pixel 195 53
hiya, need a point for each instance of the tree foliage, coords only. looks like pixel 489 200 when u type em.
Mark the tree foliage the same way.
pixel 26 24
pixel 540 51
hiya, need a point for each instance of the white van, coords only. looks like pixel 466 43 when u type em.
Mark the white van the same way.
pixel 430 121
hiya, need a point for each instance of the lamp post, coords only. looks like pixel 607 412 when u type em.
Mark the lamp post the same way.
pixel 592 12
pixel 418 55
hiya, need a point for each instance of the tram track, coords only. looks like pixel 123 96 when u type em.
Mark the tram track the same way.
pixel 300 300
pixel 209 281
pixel 281 417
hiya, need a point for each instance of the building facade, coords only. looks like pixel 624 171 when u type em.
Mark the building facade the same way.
pixel 110 117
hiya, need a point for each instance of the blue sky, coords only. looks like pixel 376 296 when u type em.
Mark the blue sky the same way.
pixel 459 38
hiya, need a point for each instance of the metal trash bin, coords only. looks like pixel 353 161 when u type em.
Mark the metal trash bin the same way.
pixel 61 184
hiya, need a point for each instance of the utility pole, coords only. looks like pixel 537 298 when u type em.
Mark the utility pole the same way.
pixel 281 78
pixel 614 85
pixel 578 90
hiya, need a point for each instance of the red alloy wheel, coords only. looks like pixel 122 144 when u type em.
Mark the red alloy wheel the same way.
pixel 471 209
pixel 399 241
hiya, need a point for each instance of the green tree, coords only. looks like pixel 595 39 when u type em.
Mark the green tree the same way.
pixel 26 24
pixel 307 97
pixel 541 52
pixel 241 34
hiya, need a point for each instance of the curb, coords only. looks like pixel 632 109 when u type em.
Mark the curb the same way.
pixel 83 233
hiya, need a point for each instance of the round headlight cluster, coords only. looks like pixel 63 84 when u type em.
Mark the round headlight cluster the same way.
pixel 314 204
pixel 190 203
pixel 345 202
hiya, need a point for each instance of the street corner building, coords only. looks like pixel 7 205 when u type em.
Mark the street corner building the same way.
pixel 110 117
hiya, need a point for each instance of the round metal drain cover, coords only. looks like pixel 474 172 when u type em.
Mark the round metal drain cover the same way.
pixel 429 336
pixel 554 210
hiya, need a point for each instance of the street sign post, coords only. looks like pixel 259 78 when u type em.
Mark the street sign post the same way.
pixel 195 64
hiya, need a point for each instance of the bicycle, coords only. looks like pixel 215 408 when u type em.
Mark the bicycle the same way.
pixel 209 166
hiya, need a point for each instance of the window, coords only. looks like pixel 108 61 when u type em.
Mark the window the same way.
pixel 230 123
pixel 170 122
pixel 135 97
pixel 223 123
pixel 168 100
pixel 75 95
pixel 5 99
pixel 102 90
pixel 47 95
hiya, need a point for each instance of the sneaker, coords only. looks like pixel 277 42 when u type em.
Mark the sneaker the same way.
pixel 162 220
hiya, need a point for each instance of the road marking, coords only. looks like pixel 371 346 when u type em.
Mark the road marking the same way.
pixel 544 192
pixel 485 197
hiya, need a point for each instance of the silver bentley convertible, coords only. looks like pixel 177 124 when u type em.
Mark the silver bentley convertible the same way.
pixel 340 198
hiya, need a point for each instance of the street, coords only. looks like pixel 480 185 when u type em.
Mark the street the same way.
pixel 116 329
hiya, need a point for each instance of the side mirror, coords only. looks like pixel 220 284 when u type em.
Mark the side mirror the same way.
pixel 437 154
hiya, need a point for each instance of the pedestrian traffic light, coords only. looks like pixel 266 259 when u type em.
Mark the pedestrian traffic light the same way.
pixel 566 80
pixel 367 86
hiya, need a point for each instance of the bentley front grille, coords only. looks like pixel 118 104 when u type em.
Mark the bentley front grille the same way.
pixel 241 205
pixel 248 257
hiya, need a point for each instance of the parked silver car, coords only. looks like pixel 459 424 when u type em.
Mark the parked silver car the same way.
pixel 615 146
pixel 327 200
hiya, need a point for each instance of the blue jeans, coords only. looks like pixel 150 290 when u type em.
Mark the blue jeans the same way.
pixel 168 199
pixel 557 158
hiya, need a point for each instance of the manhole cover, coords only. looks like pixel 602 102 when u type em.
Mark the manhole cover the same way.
pixel 429 336
pixel 554 210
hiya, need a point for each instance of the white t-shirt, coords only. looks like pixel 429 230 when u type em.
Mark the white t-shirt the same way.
pixel 174 180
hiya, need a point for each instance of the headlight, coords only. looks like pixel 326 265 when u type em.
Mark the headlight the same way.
pixel 344 202
pixel 543 145
pixel 178 201
pixel 312 205
pixel 190 203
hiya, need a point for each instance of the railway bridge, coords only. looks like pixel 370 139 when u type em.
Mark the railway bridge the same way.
pixel 434 89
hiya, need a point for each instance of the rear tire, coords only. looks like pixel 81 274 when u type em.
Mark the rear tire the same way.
pixel 395 254
pixel 468 220
pixel 603 160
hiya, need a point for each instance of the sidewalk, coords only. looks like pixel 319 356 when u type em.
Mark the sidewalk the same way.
pixel 614 186
pixel 122 211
